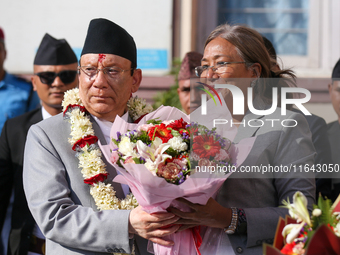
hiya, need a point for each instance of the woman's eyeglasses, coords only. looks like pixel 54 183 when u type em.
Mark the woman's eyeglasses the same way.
pixel 219 68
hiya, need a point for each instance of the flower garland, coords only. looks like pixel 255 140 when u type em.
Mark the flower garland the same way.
pixel 84 141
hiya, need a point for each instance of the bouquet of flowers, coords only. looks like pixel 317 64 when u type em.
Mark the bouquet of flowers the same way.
pixel 302 234
pixel 155 159
pixel 162 147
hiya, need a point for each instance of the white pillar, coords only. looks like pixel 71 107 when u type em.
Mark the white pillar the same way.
pixel 186 26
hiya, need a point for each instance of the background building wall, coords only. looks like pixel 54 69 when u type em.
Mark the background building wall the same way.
pixel 26 22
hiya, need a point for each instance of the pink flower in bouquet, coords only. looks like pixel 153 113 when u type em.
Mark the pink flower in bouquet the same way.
pixel 206 162
pixel 205 146
pixel 144 127
pixel 129 160
pixel 223 155
pixel 182 162
pixel 114 157
pixel 169 171
pixel 154 154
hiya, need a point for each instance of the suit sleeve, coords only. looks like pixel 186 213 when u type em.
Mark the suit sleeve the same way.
pixel 6 174
pixel 61 219
pixel 294 149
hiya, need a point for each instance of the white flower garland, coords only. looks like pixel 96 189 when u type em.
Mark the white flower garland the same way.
pixel 89 156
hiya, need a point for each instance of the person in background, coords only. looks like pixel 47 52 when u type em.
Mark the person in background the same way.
pixel 55 71
pixel 186 72
pixel 333 129
pixel 16 97
pixel 318 127
pixel 16 94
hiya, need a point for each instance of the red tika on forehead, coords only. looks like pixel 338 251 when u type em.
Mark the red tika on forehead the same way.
pixel 101 57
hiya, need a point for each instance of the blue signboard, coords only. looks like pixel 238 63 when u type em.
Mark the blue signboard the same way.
pixel 152 59
pixel 155 59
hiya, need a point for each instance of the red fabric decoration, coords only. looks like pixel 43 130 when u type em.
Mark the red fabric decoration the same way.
pixel 95 179
pixel 90 139
pixel 137 120
pixel 197 238
pixel 70 106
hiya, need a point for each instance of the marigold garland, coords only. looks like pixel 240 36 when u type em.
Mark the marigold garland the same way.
pixel 84 141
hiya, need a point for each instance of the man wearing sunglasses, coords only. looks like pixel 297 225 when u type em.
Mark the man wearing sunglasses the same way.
pixel 55 71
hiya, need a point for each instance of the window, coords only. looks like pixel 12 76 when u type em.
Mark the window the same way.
pixel 284 23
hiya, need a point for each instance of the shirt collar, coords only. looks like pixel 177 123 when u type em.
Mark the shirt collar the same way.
pixel 105 126
pixel 45 114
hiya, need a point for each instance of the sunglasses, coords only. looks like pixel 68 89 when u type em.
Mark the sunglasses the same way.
pixel 66 77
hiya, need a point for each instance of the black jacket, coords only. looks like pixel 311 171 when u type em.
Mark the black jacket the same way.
pixel 12 144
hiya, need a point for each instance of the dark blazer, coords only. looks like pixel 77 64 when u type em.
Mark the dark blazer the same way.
pixel 334 139
pixel 318 127
pixel 12 143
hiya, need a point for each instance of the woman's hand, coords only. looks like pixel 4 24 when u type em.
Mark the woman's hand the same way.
pixel 212 214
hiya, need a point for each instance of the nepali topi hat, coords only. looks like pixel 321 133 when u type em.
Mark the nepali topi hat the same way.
pixel 105 37
pixel 190 61
pixel 54 52
pixel 336 71
pixel 2 35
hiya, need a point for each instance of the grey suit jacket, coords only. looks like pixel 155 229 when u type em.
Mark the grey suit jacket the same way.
pixel 261 194
pixel 60 201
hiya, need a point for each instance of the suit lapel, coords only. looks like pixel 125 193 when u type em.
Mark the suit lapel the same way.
pixel 252 124
pixel 109 168
pixel 37 117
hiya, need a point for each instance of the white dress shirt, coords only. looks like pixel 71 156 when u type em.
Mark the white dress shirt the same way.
pixel 105 127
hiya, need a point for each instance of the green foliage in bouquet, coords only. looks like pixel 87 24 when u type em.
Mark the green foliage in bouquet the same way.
pixel 143 136
pixel 326 216
pixel 322 215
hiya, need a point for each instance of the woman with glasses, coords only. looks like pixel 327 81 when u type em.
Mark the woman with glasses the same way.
pixel 247 208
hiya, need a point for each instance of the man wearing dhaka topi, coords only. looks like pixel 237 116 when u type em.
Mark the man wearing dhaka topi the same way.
pixel 68 184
